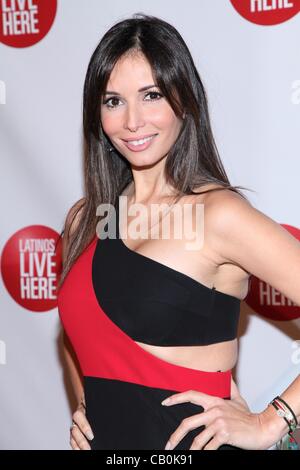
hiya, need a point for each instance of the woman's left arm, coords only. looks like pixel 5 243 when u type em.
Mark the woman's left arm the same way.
pixel 251 239
pixel 244 236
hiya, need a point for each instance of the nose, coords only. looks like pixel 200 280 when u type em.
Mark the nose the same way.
pixel 134 117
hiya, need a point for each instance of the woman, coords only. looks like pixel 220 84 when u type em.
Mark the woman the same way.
pixel 151 319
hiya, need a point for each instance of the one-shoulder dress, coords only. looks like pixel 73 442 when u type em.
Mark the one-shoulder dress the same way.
pixel 113 297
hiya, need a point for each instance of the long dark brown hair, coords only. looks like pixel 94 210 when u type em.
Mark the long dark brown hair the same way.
pixel 193 160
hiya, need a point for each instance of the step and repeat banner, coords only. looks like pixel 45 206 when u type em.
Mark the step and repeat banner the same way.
pixel 248 55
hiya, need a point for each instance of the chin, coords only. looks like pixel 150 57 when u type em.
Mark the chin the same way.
pixel 144 160
pixel 143 164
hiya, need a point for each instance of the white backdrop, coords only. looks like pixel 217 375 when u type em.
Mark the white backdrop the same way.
pixel 252 77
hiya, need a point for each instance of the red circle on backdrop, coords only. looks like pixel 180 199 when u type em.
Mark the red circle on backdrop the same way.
pixel 267 12
pixel 25 22
pixel 267 301
pixel 30 267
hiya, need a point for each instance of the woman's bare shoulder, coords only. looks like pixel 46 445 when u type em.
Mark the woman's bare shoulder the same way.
pixel 214 196
pixel 222 209
pixel 219 207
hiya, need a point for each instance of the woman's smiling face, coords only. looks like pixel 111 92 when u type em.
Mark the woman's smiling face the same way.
pixel 133 108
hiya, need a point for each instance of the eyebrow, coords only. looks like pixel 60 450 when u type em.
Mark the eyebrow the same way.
pixel 141 89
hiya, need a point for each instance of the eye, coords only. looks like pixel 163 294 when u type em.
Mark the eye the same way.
pixel 156 93
pixel 109 105
pixel 106 102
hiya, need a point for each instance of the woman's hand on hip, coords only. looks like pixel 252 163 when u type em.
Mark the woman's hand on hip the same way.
pixel 227 422
pixel 80 431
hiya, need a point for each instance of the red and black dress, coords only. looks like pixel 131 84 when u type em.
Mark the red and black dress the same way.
pixel 112 297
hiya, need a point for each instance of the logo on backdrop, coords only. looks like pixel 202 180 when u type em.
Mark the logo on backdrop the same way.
pixel 30 267
pixel 267 12
pixel 23 23
pixel 267 301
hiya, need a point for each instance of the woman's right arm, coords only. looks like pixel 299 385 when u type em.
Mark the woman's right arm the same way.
pixel 81 430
